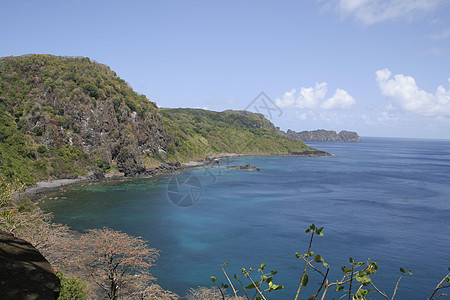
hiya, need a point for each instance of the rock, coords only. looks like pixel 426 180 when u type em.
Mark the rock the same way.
pixel 168 167
pixel 129 162
pixel 25 274
pixel 96 174
pixel 247 167
pixel 349 136
pixel 114 175
pixel 317 153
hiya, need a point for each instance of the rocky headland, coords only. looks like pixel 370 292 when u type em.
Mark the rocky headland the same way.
pixel 322 135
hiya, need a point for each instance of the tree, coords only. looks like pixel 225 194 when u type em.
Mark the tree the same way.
pixel 204 293
pixel 156 292
pixel 118 263
pixel 51 239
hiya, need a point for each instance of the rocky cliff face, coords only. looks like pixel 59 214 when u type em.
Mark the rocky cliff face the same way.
pixel 75 114
pixel 322 135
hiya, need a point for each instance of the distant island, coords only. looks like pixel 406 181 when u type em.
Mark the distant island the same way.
pixel 322 135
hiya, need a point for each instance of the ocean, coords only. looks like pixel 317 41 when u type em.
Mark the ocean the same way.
pixel 385 199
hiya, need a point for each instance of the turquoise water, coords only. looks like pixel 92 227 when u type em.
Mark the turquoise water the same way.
pixel 387 199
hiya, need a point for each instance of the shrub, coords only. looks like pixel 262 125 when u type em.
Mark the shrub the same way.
pixel 42 149
pixel 105 166
pixel 91 89
pixel 26 205
pixel 39 131
pixel 72 288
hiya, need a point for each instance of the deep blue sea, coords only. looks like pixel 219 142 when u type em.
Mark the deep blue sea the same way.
pixel 385 199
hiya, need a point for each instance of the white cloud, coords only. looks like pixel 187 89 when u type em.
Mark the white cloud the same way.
pixel 310 97
pixel 407 96
pixel 313 97
pixel 287 99
pixel 340 100
pixel 374 11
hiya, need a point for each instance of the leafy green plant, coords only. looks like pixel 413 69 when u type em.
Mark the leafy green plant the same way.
pixel 265 284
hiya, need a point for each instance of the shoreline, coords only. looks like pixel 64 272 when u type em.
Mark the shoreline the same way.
pixel 41 188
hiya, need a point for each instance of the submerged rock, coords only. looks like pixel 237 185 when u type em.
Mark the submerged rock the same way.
pixel 247 167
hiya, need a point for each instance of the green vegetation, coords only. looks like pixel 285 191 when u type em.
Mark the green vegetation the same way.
pixel 197 133
pixel 72 288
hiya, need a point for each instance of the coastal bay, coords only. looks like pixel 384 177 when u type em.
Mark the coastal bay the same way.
pixel 374 198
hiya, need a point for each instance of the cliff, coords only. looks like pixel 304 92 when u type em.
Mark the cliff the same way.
pixel 322 135
pixel 61 117
pixel 66 117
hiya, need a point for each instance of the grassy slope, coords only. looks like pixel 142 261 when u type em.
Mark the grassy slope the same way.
pixel 198 133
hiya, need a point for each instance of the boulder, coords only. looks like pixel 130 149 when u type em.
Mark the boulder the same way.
pixel 24 273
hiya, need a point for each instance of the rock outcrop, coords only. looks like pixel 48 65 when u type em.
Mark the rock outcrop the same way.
pixel 70 114
pixel 322 135
pixel 246 167
pixel 25 274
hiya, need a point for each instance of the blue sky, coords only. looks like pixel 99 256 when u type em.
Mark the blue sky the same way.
pixel 380 67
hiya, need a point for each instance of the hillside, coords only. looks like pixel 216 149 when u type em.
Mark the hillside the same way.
pixel 61 117
pixel 323 135
pixel 65 117
pixel 200 132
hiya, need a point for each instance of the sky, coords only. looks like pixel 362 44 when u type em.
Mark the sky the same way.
pixel 380 67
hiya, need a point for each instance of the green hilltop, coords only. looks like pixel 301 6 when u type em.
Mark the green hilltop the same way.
pixel 65 117
pixel 200 132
